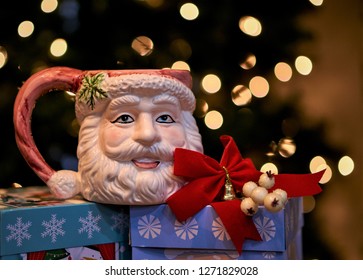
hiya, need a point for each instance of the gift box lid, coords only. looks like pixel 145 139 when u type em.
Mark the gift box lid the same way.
pixel 31 219
pixel 157 227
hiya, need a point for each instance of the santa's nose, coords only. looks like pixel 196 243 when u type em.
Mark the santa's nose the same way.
pixel 145 132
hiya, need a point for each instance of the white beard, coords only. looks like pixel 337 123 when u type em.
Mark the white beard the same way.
pixel 125 185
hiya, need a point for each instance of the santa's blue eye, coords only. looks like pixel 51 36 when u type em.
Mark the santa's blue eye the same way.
pixel 165 119
pixel 124 119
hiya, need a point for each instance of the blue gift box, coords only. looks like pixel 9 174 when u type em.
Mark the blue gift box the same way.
pixel 155 232
pixel 32 220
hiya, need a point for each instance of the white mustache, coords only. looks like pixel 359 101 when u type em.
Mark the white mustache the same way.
pixel 131 150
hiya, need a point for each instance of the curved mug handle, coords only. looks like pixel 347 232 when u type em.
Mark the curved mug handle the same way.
pixel 55 78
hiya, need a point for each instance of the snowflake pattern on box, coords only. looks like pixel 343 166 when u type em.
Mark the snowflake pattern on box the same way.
pixel 89 224
pixel 187 229
pixel 219 231
pixel 19 231
pixel 120 222
pixel 265 227
pixel 269 255
pixel 149 226
pixel 53 228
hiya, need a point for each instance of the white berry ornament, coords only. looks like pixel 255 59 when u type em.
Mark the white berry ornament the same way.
pixel 267 180
pixel 248 188
pixel 283 195
pixel 258 195
pixel 248 206
pixel 273 202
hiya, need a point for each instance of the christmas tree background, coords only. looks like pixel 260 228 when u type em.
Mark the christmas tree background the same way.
pixel 99 35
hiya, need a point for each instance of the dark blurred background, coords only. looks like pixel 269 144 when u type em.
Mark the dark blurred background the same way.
pixel 285 82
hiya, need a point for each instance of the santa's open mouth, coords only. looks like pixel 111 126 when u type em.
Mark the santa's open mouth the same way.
pixel 146 163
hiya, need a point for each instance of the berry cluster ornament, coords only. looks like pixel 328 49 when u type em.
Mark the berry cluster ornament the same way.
pixel 258 194
pixel 248 206
pixel 267 180
pixel 248 188
pixel 274 202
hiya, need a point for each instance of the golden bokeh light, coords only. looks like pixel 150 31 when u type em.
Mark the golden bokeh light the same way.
pixel 213 120
pixel 327 174
pixel 346 165
pixel 241 95
pixel 303 65
pixel 315 163
pixel 272 149
pixel 249 62
pixel 189 11
pixel 154 3
pixel 286 147
pixel 201 108
pixel 25 28
pixel 259 86
pixel 142 45
pixel 180 65
pixel 3 57
pixel 250 26
pixel 308 204
pixel 269 166
pixel 283 71
pixel 316 2
pixel 48 6
pixel 58 47
pixel 211 83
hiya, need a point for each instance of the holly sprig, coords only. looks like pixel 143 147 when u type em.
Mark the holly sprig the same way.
pixel 91 89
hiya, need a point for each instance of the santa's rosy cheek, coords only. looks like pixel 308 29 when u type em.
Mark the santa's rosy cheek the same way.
pixel 176 138
pixel 113 137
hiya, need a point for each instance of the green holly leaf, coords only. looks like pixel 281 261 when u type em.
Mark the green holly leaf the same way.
pixel 91 89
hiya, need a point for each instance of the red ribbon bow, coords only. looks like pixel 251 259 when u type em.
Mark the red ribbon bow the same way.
pixel 207 178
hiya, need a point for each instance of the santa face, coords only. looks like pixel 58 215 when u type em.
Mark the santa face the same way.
pixel 133 156
pixel 144 122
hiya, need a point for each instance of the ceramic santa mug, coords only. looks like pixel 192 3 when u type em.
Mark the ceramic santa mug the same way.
pixel 131 121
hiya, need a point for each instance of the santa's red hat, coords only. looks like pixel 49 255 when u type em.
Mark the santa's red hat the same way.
pixel 97 88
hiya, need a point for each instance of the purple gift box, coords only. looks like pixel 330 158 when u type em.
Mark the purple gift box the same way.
pixel 157 234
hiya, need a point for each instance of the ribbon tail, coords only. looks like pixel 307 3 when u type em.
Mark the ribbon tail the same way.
pixel 299 184
pixel 237 224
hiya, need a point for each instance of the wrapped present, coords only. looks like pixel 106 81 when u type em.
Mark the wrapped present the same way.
pixel 35 225
pixel 157 234
pixel 235 189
